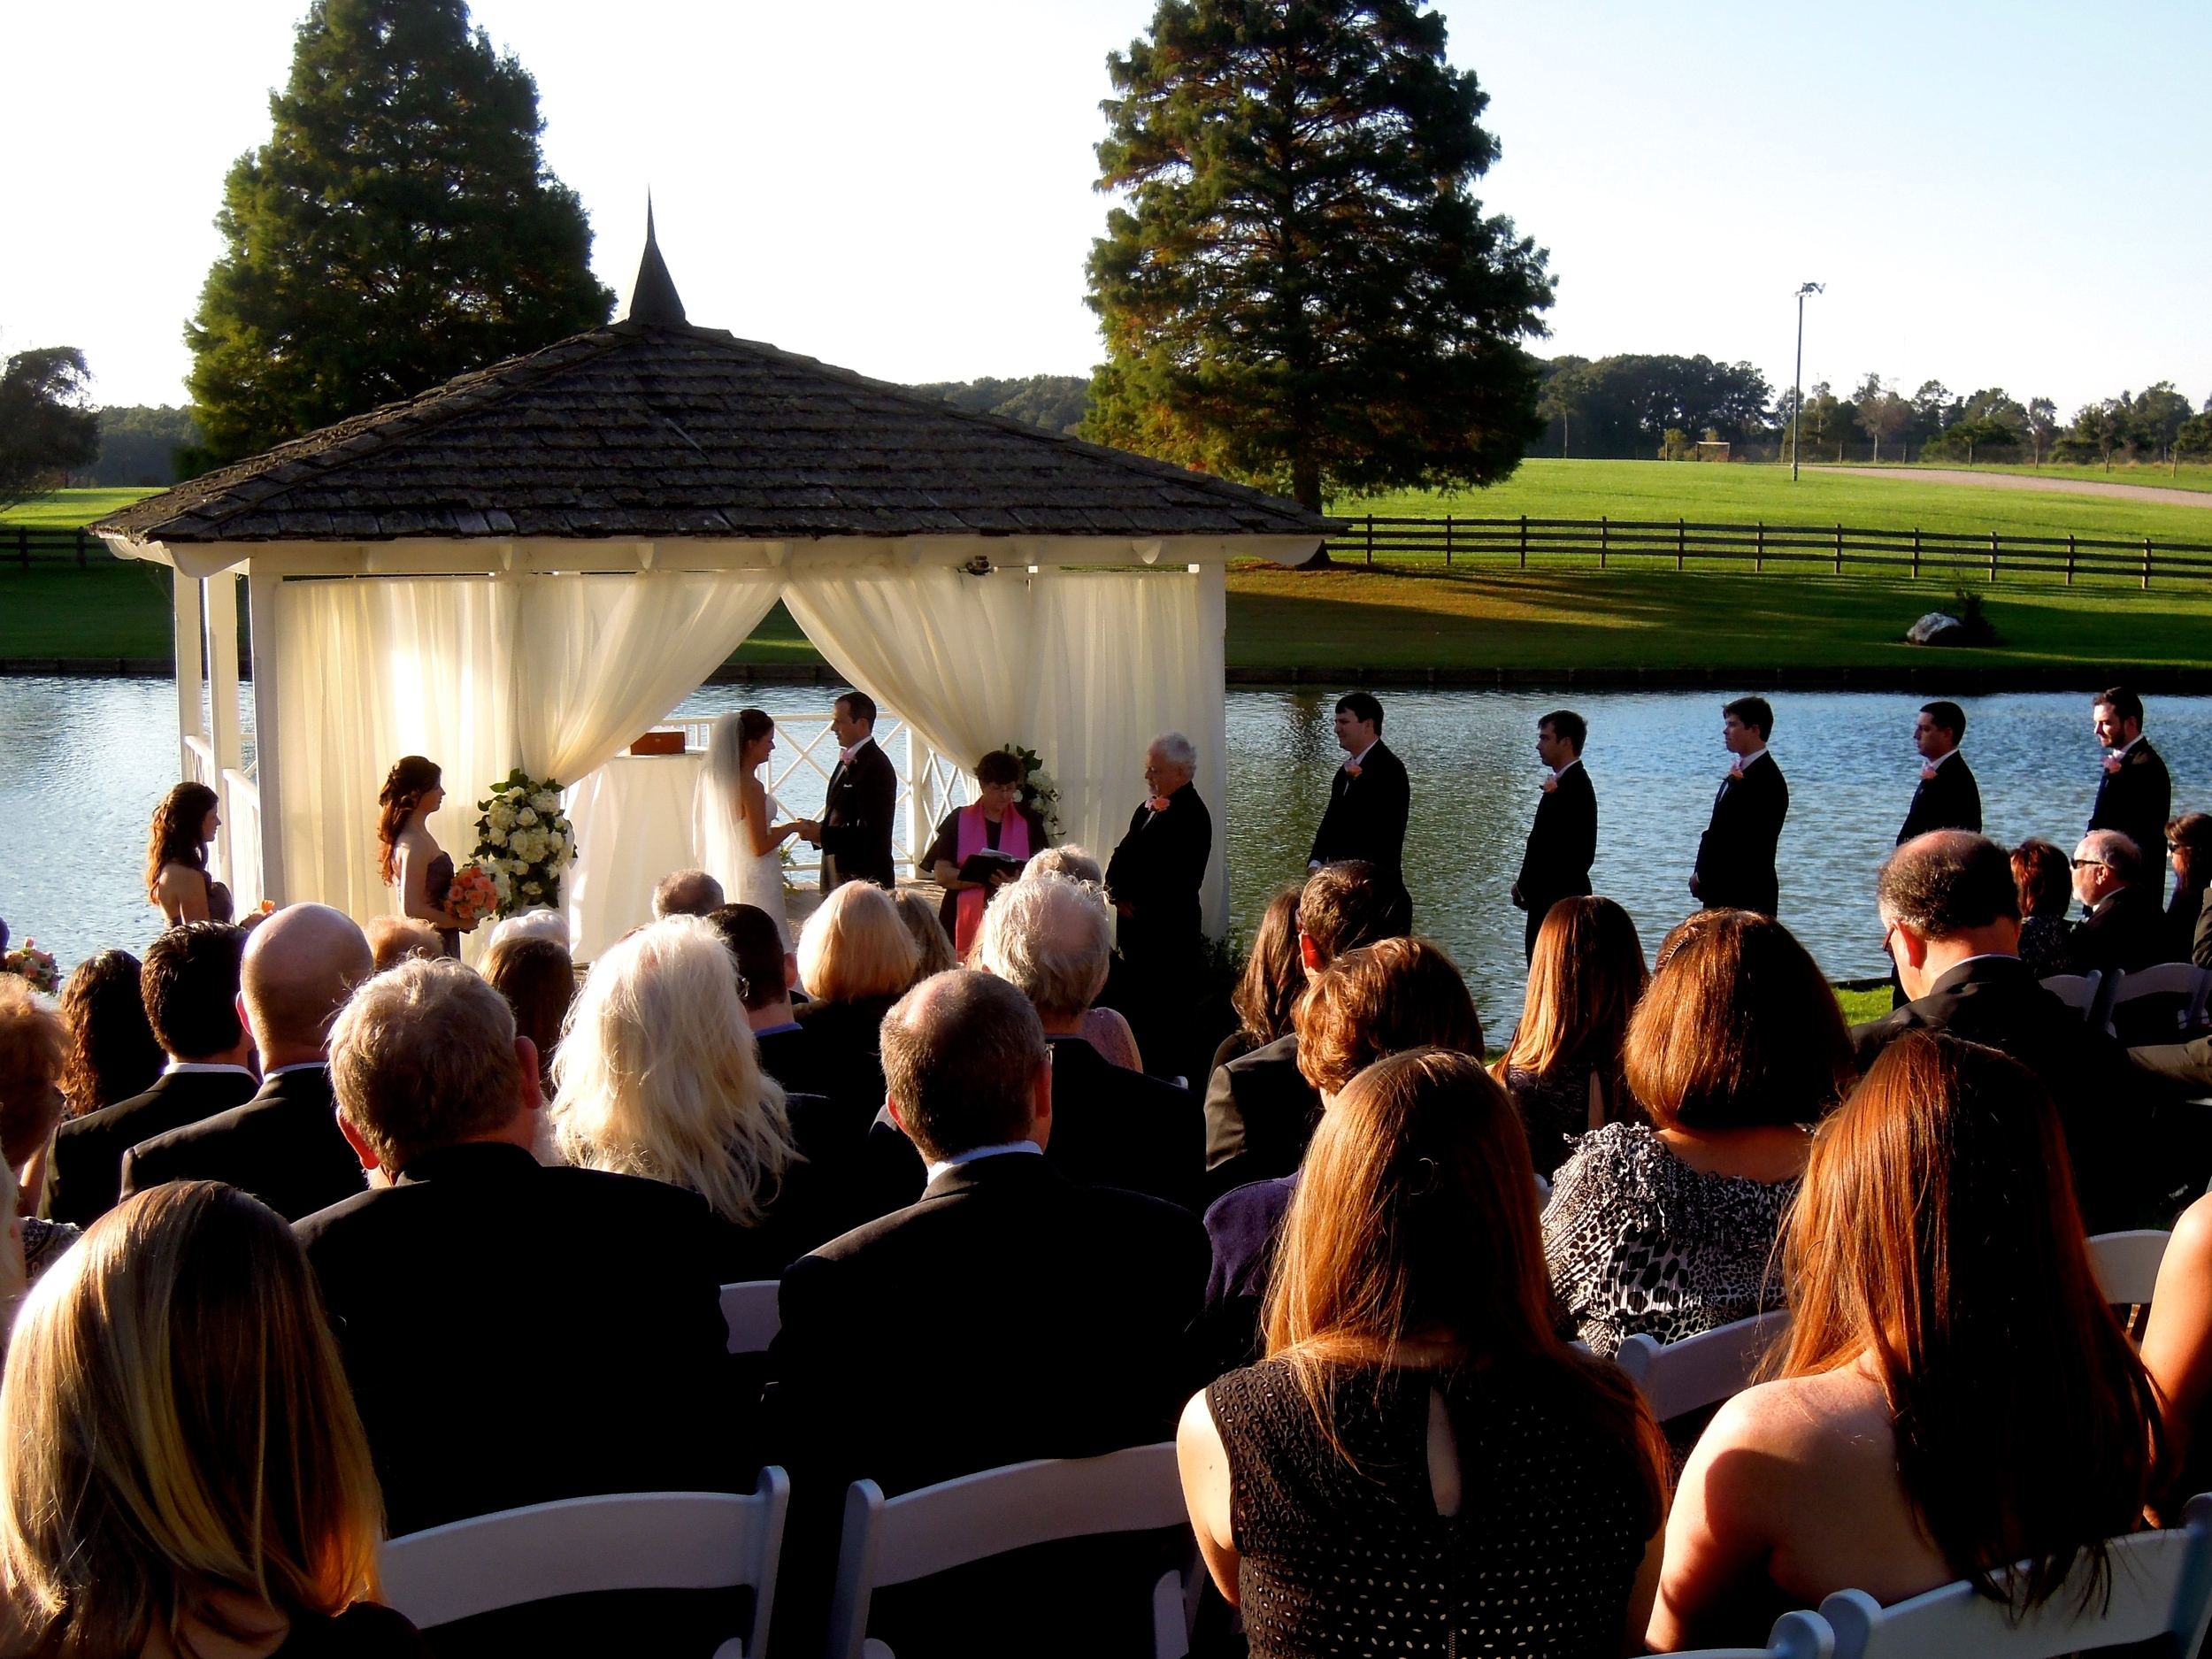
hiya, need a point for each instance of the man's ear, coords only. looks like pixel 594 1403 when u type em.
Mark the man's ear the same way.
pixel 790 970
pixel 359 1143
pixel 1914 948
pixel 532 1092
pixel 1309 952
pixel 1040 1102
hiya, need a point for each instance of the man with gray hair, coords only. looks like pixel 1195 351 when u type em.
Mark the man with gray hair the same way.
pixel 1153 880
pixel 686 892
pixel 2125 930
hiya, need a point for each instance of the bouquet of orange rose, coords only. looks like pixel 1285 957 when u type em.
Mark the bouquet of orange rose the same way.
pixel 474 895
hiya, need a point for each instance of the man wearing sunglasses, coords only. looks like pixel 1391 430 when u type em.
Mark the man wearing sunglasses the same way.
pixel 2126 928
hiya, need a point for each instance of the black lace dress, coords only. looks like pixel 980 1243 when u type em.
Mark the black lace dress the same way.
pixel 1338 1559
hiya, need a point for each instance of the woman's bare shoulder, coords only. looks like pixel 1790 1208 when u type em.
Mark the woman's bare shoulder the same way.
pixel 1812 1416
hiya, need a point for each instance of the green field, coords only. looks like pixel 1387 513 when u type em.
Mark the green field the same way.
pixel 69 509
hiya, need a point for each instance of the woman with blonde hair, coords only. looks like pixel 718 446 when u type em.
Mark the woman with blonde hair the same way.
pixel 1954 1399
pixel 856 959
pixel 176 858
pixel 933 946
pixel 1420 1463
pixel 185 1473
pixel 1563 1065
pixel 658 1076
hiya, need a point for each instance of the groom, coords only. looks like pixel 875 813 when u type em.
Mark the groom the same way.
pixel 854 831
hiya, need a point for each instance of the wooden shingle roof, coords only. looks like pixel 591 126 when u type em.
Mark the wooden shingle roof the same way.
pixel 664 430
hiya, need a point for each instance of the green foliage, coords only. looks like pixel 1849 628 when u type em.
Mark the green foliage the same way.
pixel 2146 425
pixel 1301 290
pixel 1054 401
pixel 139 444
pixel 46 425
pixel 2192 439
pixel 399 227
pixel 1622 407
pixel 1983 437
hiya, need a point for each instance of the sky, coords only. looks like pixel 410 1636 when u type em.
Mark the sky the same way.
pixel 1994 195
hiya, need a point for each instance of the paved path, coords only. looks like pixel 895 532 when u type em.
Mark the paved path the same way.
pixel 2015 481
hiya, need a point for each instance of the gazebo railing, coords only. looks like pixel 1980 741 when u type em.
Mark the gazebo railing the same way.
pixel 234 858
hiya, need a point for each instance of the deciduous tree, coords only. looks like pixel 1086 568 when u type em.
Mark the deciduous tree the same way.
pixel 47 423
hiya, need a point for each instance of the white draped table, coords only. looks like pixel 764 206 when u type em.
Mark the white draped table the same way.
pixel 632 819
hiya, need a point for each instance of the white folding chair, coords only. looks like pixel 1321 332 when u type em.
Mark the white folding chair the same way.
pixel 2184 979
pixel 2078 991
pixel 751 1311
pixel 895 1541
pixel 2126 1264
pixel 632 1541
pixel 1701 1370
pixel 2161 1583
pixel 1794 1636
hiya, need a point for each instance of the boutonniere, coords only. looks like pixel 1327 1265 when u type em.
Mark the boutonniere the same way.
pixel 1550 783
pixel 1158 803
pixel 1350 771
pixel 1927 775
pixel 2113 763
pixel 1735 774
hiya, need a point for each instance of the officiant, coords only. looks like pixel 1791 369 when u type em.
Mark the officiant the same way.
pixel 980 849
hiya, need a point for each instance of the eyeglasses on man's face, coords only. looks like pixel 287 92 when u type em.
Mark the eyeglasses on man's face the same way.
pixel 2083 863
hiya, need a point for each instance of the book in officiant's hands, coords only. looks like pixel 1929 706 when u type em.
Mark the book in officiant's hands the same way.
pixel 988 867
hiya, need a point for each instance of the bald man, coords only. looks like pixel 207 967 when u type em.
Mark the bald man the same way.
pixel 284 1145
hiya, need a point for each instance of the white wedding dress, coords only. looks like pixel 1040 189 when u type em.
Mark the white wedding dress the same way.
pixel 727 854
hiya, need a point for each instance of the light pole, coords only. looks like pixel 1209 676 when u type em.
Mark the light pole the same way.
pixel 1797 404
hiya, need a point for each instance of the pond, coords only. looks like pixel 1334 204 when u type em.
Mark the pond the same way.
pixel 82 763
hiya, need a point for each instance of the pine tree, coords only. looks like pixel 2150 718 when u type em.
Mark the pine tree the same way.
pixel 399 227
pixel 1302 291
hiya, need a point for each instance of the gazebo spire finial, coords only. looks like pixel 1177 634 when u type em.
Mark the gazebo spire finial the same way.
pixel 653 297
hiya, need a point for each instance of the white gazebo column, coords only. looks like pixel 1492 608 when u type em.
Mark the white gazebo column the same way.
pixel 222 696
pixel 1213 743
pixel 185 603
pixel 261 618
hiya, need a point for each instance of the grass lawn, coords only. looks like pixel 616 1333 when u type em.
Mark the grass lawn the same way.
pixel 71 509
pixel 111 608
pixel 1863 1005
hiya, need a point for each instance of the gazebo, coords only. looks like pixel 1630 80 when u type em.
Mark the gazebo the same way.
pixel 530 565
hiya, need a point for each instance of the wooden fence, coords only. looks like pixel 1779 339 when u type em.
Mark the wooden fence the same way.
pixel 24 546
pixel 1831 547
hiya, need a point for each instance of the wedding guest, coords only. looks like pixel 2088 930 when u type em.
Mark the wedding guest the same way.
pixel 659 1077
pixel 738 816
pixel 1954 1396
pixel 1053 1317
pixel 1370 797
pixel 407 854
pixel 856 959
pixel 1420 1461
pixel 2122 929
pixel 1259 1108
pixel 113 1053
pixel 176 858
pixel 1736 855
pixel 540 922
pixel 854 831
pixel 1267 991
pixel 1946 796
pixel 2134 792
pixel 2178 1353
pixel 933 946
pixel 1067 860
pixel 1736 1050
pixel 539 981
pixel 1563 1065
pixel 996 822
pixel 685 893
pixel 487 1305
pixel 1563 841
pixel 765 975
pixel 34 1051
pixel 2043 877
pixel 187 1472
pixel 2189 928
pixel 284 1145
pixel 1105 1029
pixel 190 987
pixel 396 939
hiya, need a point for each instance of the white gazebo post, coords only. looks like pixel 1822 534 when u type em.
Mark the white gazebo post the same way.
pixel 222 689
pixel 261 592
pixel 185 603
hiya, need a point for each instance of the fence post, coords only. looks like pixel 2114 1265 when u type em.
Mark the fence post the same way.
pixel 1447 540
pixel 1762 564
pixel 2147 561
pixel 1370 540
pixel 82 542
pixel 1680 537
pixel 23 546
pixel 2069 558
pixel 1993 555
pixel 1604 534
pixel 1915 552
pixel 1838 550
pixel 1524 540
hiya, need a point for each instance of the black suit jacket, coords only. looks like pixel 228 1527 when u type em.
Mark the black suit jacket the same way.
pixel 2108 1108
pixel 1367 815
pixel 1010 1313
pixel 283 1145
pixel 2137 801
pixel 1561 844
pixel 1260 1113
pixel 85 1174
pixel 1156 872
pixel 494 1313
pixel 857 816
pixel 1736 857
pixel 1951 799
pixel 2126 931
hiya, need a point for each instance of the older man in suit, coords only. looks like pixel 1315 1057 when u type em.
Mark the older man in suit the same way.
pixel 1563 843
pixel 284 1145
pixel 1369 798
pixel 854 831
pixel 1736 855
pixel 1153 881
pixel 2135 794
pixel 2125 930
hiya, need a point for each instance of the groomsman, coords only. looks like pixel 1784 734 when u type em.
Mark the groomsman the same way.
pixel 2135 795
pixel 1735 857
pixel 854 831
pixel 1948 797
pixel 1370 797
pixel 1563 841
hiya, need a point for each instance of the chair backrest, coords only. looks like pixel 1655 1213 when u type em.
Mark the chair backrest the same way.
pixel 2166 979
pixel 751 1311
pixel 2126 1264
pixel 633 1540
pixel 1795 1636
pixel 2160 1584
pixel 2078 991
pixel 1701 1370
pixel 894 1540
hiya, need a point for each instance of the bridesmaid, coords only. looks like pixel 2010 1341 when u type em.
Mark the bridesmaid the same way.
pixel 407 854
pixel 176 858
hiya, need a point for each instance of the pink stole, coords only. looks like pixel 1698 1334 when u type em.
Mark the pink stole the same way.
pixel 1013 840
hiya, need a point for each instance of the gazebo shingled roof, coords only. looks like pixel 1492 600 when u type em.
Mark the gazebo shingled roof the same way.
pixel 666 429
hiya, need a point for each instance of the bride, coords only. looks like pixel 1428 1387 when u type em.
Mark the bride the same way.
pixel 741 840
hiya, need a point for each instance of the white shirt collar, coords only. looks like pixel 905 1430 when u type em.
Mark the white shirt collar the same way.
pixel 1952 754
pixel 1744 761
pixel 1361 758
pixel 1568 767
pixel 2120 751
pixel 975 1154
pixel 176 1066
pixel 297 1065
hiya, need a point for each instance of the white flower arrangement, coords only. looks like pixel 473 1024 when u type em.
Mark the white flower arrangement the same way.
pixel 1040 795
pixel 525 842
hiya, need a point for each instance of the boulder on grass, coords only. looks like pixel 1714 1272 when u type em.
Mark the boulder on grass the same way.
pixel 1937 628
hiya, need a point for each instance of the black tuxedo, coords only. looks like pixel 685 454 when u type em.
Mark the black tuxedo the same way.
pixel 516 1334
pixel 85 1174
pixel 856 813
pixel 1367 815
pixel 1010 1313
pixel 2125 1152
pixel 1561 845
pixel 2137 800
pixel 1736 855
pixel 1156 872
pixel 1951 799
pixel 1260 1113
pixel 2126 931
pixel 283 1145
